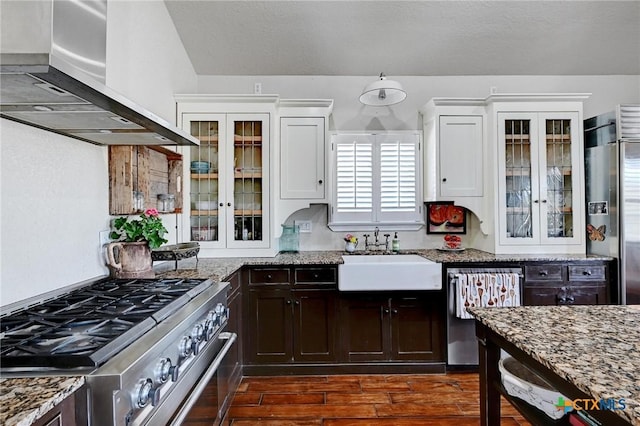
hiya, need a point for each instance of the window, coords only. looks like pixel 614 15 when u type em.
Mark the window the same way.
pixel 376 181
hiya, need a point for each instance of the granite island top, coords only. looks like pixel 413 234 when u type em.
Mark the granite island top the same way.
pixel 25 400
pixel 597 348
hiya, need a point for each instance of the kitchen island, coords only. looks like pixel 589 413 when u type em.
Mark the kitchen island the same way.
pixel 585 352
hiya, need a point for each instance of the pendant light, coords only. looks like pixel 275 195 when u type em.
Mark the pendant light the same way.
pixel 383 92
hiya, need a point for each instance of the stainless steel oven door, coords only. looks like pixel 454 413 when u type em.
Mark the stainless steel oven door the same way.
pixel 205 393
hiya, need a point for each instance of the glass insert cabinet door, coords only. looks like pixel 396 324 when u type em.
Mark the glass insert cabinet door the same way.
pixel 248 179
pixel 227 179
pixel 538 190
pixel 204 190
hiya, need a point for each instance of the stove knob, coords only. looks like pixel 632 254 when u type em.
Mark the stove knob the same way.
pixel 185 347
pixel 142 393
pixel 221 311
pixel 213 317
pixel 174 372
pixel 197 334
pixel 163 370
pixel 208 330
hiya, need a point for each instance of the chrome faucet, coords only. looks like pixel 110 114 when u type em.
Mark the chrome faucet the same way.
pixel 376 243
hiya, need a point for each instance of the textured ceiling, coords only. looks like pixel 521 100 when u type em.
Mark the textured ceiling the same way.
pixel 421 38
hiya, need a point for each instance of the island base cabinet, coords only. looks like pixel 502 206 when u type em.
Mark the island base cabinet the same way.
pixel 402 328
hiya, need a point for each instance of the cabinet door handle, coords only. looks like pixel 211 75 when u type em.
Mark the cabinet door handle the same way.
pixel 297 302
pixel 221 204
pixel 444 179
pixel 544 201
pixel 536 201
pixel 587 272
pixel 315 276
pixel 320 182
pixel 394 311
pixel 543 273
pixel 228 204
pixel 269 277
pixel 288 302
pixel 385 310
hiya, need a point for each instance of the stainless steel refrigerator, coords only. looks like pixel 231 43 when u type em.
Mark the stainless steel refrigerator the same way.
pixel 612 170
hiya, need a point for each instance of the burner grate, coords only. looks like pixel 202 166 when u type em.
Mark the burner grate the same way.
pixel 87 326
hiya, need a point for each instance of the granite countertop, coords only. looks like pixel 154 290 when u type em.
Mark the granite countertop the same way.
pixel 597 348
pixel 220 268
pixel 25 400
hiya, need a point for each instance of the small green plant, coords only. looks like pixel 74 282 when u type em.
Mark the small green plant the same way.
pixel 148 228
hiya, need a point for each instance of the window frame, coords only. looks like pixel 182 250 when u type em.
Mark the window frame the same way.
pixel 394 221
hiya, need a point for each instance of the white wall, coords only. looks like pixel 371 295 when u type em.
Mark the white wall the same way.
pixel 54 201
pixel 54 198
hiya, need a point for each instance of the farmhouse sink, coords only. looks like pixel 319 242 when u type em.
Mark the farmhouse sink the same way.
pixel 389 272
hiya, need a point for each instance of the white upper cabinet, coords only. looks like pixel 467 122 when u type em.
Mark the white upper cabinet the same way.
pixel 461 164
pixel 539 199
pixel 228 201
pixel 303 158
pixel 516 162
pixel 455 155
pixel 538 171
pixel 228 180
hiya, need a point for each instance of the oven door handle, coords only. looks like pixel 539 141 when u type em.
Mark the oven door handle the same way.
pixel 204 381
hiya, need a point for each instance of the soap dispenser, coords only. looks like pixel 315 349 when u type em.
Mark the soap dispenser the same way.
pixel 395 243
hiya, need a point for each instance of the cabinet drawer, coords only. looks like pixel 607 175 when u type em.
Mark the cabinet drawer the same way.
pixel 587 272
pixel 543 273
pixel 269 276
pixel 315 275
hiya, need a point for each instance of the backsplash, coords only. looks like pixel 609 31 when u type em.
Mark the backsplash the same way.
pixel 323 238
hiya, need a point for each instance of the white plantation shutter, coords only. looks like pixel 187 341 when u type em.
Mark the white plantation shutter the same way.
pixel 354 161
pixel 376 179
pixel 398 176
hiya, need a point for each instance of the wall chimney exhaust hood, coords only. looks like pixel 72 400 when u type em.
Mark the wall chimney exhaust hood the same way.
pixel 52 76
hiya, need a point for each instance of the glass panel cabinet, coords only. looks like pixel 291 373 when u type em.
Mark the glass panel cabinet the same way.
pixel 227 179
pixel 538 158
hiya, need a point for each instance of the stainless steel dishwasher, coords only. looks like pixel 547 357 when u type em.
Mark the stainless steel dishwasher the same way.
pixel 462 348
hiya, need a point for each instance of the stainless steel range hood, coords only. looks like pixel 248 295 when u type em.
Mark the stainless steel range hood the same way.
pixel 52 70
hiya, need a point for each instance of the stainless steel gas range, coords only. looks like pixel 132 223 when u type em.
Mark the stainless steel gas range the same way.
pixel 147 347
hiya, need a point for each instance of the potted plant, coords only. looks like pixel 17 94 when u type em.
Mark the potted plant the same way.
pixel 130 255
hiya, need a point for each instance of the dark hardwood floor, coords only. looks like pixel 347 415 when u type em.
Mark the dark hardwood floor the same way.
pixel 358 400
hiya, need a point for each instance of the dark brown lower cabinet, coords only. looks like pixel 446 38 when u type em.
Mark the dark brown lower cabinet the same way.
pixel 291 322
pixel 297 321
pixel 564 283
pixel 392 328
pixel 565 295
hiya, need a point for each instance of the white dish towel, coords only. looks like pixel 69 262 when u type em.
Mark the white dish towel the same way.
pixel 486 290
